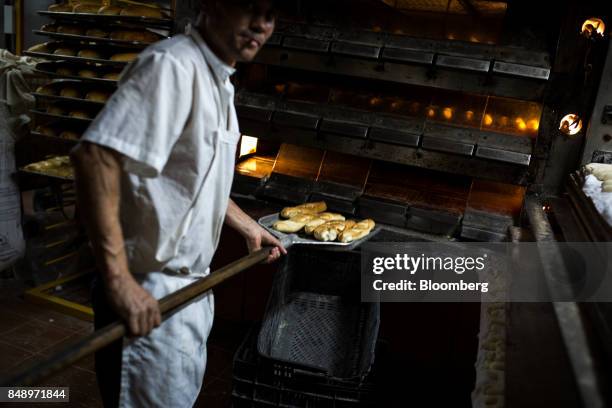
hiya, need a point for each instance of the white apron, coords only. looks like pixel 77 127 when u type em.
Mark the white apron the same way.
pixel 166 368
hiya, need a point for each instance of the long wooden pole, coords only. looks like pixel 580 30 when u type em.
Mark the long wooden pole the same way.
pixel 41 369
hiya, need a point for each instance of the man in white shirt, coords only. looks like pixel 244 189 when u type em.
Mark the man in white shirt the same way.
pixel 154 173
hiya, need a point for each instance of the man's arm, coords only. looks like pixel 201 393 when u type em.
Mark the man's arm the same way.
pixel 98 178
pixel 253 233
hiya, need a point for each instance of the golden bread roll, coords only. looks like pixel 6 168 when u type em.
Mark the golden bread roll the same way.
pixel 44 47
pixel 330 230
pixel 45 130
pixel 321 218
pixel 293 224
pixel 113 76
pixel 49 28
pixel 56 110
pixel 69 29
pixel 96 32
pixel 307 208
pixel 140 36
pixel 358 231
pixel 97 96
pixel 60 8
pixel 79 114
pixel 86 8
pixel 87 73
pixel 69 52
pixel 69 92
pixel 69 134
pixel 89 54
pixel 126 56
pixel 64 71
pixel 110 10
pixel 142 11
pixel 46 90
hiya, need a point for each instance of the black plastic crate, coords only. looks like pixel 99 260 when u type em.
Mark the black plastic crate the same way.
pixel 260 382
pixel 315 321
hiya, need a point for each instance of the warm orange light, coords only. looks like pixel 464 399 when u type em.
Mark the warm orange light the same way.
pixel 533 124
pixel 503 121
pixel 248 145
pixel 431 112
pixel 469 115
pixel 396 105
pixel 447 113
pixel 593 27
pixel 520 124
pixel 376 101
pixel 571 124
pixel 488 120
pixel 377 29
pixel 280 88
pixel 475 39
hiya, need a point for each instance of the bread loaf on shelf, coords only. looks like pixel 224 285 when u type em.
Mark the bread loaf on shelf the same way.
pixel 125 56
pixel 86 8
pixel 130 35
pixel 69 134
pixel 69 52
pixel 46 90
pixel 87 73
pixel 79 114
pixel 90 54
pixel 56 110
pixel 64 71
pixel 142 11
pixel 97 96
pixel 45 130
pixel 44 47
pixel 70 92
pixel 96 32
pixel 49 28
pixel 60 8
pixel 70 29
pixel 113 76
pixel 110 10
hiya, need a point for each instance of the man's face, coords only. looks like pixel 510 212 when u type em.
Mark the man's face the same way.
pixel 240 27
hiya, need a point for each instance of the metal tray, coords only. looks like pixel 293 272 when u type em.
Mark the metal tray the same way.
pixel 107 19
pixel 62 117
pixel 301 239
pixel 99 40
pixel 66 99
pixel 68 58
pixel 48 68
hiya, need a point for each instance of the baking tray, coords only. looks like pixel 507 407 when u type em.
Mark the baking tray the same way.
pixel 37 173
pixel 62 117
pixel 54 139
pixel 57 98
pixel 45 55
pixel 300 239
pixel 107 19
pixel 101 40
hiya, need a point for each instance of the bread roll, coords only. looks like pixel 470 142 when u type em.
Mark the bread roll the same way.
pixel 293 224
pixel 69 52
pixel 98 96
pixel 56 110
pixel 68 29
pixel 126 56
pixel 45 130
pixel 96 32
pixel 358 231
pixel 330 230
pixel 64 71
pixel 79 114
pixel 307 208
pixel 89 54
pixel 44 47
pixel 49 28
pixel 46 90
pixel 141 36
pixel 60 8
pixel 69 134
pixel 141 11
pixel 86 8
pixel 87 73
pixel 321 218
pixel 113 76
pixel 110 10
pixel 69 92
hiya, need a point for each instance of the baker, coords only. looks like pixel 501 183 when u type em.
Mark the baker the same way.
pixel 153 177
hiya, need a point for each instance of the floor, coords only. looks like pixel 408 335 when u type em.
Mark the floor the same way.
pixel 29 332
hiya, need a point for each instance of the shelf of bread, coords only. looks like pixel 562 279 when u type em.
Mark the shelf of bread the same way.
pixel 125 37
pixel 83 53
pixel 69 115
pixel 150 14
pixel 71 93
pixel 95 73
pixel 56 167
